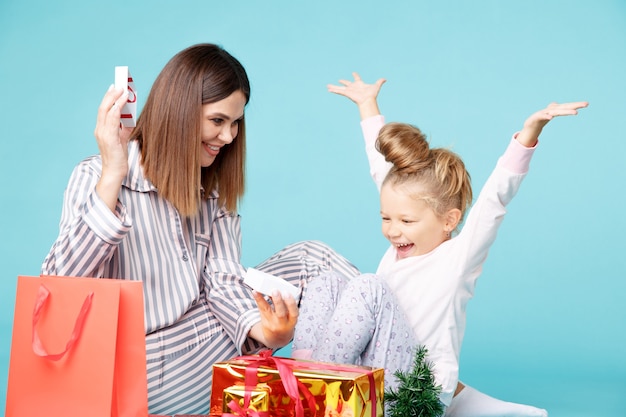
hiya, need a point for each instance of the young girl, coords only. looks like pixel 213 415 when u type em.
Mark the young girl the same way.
pixel 429 273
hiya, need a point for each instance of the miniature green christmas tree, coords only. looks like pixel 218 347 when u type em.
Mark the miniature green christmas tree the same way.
pixel 417 395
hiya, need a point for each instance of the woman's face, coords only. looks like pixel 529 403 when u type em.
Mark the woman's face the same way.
pixel 220 125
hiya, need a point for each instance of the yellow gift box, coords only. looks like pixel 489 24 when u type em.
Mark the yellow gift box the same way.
pixel 234 398
pixel 295 388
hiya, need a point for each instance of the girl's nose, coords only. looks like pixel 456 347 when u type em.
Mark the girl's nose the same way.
pixel 393 231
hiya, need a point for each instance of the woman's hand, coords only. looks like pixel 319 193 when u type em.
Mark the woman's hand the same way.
pixel 529 135
pixel 113 145
pixel 278 322
pixel 362 94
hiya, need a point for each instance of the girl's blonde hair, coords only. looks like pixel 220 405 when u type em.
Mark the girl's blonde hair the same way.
pixel 169 129
pixel 440 172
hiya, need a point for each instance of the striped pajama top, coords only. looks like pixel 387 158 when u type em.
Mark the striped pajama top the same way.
pixel 181 261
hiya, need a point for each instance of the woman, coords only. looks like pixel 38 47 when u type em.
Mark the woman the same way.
pixel 158 204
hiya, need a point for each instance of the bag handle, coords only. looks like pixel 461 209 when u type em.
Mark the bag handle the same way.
pixel 42 299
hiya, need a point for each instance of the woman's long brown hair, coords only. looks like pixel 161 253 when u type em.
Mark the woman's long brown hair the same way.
pixel 169 128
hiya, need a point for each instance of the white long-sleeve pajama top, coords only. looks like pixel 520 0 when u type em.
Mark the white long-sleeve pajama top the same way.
pixel 433 289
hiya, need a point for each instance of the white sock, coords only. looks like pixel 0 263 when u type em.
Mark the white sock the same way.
pixel 472 403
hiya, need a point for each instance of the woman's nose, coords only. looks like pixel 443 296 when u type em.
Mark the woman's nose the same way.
pixel 226 135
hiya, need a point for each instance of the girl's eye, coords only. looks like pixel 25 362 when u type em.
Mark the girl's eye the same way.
pixel 217 121
pixel 407 221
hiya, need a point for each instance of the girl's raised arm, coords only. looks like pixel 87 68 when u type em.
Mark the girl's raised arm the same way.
pixel 529 135
pixel 362 94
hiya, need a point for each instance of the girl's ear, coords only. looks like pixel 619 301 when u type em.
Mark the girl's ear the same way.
pixel 452 219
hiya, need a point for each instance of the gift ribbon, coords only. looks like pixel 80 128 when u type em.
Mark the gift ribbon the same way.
pixel 244 411
pixel 292 385
pixel 43 294
pixel 341 368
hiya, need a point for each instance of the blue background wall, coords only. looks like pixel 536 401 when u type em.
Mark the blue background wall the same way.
pixel 547 325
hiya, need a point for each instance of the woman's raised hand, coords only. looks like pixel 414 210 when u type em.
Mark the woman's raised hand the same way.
pixel 112 141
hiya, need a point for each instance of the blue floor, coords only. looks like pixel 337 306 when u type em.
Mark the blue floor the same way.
pixel 580 396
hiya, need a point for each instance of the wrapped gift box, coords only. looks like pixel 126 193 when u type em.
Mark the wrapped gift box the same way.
pixel 124 81
pixel 258 398
pixel 264 385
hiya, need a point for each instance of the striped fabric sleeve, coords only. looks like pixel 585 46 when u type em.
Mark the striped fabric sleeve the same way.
pixel 230 300
pixel 89 231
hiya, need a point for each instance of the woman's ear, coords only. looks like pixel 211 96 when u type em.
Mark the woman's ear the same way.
pixel 452 219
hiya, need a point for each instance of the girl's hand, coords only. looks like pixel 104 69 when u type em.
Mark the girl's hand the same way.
pixel 277 322
pixel 529 135
pixel 362 94
pixel 113 145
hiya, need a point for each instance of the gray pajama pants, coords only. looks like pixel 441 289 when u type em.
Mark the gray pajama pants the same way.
pixel 354 321
pixel 358 321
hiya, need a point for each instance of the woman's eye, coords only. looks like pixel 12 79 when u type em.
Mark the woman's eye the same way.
pixel 217 121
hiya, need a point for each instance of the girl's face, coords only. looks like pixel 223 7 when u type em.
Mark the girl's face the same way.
pixel 220 125
pixel 409 223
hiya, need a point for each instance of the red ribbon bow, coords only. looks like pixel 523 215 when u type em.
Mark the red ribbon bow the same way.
pixel 292 385
pixel 244 411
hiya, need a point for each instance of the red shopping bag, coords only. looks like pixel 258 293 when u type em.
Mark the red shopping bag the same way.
pixel 78 349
